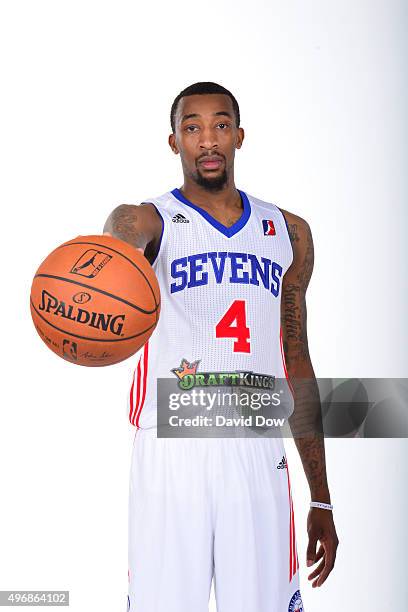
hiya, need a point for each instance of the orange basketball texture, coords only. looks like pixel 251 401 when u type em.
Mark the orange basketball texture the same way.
pixel 95 300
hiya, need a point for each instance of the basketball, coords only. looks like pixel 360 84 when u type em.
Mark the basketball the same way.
pixel 95 300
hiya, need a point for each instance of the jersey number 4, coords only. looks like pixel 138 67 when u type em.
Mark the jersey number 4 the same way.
pixel 233 325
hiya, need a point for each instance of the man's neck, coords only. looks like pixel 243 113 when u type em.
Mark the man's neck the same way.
pixel 226 198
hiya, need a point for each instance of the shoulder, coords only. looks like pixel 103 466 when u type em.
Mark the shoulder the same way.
pixel 298 227
pixel 302 246
pixel 153 204
pixel 145 212
pixel 290 218
pixel 300 235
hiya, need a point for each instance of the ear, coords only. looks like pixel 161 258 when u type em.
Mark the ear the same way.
pixel 173 144
pixel 240 138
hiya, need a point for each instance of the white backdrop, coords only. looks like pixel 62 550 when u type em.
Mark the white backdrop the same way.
pixel 86 93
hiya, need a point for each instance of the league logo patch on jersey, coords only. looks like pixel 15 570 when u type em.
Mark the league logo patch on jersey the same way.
pixel 296 604
pixel 268 227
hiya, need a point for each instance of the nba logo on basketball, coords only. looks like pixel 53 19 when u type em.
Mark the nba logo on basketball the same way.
pixel 69 350
pixel 90 263
pixel 268 227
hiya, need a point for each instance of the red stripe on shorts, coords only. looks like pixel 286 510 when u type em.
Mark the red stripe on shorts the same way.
pixel 293 558
pixel 145 367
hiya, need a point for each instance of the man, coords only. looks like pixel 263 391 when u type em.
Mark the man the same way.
pixel 221 507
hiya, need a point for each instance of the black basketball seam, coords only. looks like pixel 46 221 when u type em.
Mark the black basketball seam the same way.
pixel 74 282
pixel 114 251
pixel 85 337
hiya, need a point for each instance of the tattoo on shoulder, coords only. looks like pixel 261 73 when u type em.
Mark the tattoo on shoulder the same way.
pixel 293 232
pixel 124 225
pixel 307 269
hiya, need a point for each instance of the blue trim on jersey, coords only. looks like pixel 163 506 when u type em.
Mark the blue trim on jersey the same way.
pixel 227 231
pixel 287 229
pixel 161 234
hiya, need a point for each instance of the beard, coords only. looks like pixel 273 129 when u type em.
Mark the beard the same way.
pixel 216 183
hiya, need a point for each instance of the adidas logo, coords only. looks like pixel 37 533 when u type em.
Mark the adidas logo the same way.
pixel 179 218
pixel 282 464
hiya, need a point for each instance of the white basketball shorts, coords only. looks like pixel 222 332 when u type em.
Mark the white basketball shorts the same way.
pixel 211 508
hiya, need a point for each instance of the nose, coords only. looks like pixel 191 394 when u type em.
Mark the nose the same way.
pixel 208 138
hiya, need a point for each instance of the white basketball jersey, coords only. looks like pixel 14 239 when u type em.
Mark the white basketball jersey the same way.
pixel 220 296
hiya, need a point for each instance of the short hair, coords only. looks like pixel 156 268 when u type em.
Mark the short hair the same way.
pixel 203 88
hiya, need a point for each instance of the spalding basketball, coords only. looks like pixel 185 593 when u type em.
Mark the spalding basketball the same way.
pixel 95 300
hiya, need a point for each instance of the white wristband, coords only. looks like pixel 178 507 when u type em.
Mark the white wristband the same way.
pixel 314 504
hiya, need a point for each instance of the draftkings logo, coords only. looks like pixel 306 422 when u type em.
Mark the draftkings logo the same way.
pixel 189 377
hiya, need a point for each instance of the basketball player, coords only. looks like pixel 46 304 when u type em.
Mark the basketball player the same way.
pixel 221 507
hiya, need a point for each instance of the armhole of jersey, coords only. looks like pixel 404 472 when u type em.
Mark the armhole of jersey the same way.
pixel 162 234
pixel 287 229
pixel 280 331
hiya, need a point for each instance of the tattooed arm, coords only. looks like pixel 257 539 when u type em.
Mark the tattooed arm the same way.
pixel 306 419
pixel 139 225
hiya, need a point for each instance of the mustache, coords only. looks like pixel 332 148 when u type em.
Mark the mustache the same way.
pixel 205 155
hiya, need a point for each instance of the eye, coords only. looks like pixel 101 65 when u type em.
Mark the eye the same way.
pixel 223 126
pixel 191 128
